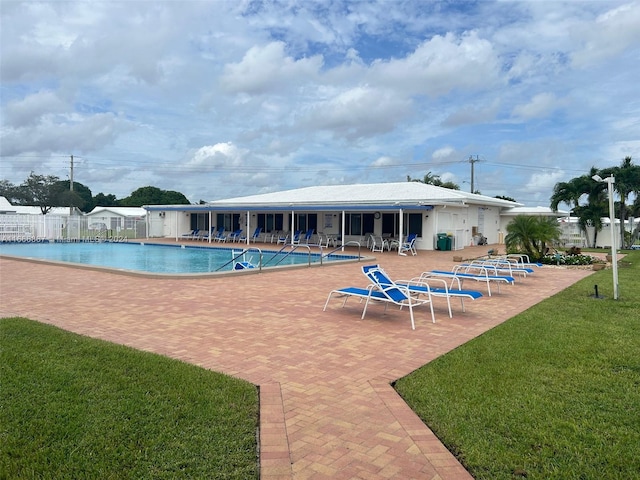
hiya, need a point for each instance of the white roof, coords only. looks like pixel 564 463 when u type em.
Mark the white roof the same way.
pixel 532 211
pixel 377 194
pixel 5 205
pixel 120 211
pixel 30 210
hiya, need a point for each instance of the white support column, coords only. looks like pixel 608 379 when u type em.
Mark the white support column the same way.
pixel 401 230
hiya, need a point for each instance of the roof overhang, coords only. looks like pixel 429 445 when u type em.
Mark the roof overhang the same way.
pixel 289 208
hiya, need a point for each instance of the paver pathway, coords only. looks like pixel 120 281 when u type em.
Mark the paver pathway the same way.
pixel 327 407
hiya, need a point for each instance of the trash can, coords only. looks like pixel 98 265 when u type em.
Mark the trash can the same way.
pixel 444 242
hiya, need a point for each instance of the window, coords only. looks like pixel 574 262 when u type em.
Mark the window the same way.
pixel 270 221
pixel 359 223
pixel 390 224
pixel 414 224
pixel 306 221
pixel 230 221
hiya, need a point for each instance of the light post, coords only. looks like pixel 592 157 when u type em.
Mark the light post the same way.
pixel 614 254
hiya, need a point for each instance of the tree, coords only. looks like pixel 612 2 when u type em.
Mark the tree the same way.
pixel 153 196
pixel 80 197
pixel 627 182
pixel 9 191
pixel 40 190
pixel 573 191
pixel 102 200
pixel 504 197
pixel 435 180
pixel 531 235
pixel 590 215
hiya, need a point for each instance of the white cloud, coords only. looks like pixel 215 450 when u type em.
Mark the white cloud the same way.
pixel 539 106
pixel 544 181
pixel 440 65
pixel 266 69
pixel 223 155
pixel 358 112
pixel 81 134
pixel 30 109
pixel 613 32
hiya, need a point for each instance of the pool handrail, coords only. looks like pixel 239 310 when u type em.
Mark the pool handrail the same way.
pixel 335 249
pixel 293 249
pixel 243 252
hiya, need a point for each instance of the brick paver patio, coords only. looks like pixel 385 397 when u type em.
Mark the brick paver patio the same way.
pixel 327 409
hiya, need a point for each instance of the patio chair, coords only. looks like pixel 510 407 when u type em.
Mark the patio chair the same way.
pixel 438 287
pixel 235 236
pixel 308 235
pixel 500 267
pixel 256 234
pixel 207 235
pixel 409 245
pixel 282 238
pixel 400 295
pixel 191 235
pixel 378 244
pixel 480 274
pixel 422 286
pixel 220 236
pixel 295 240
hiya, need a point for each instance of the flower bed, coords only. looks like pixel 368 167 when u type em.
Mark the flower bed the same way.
pixel 562 259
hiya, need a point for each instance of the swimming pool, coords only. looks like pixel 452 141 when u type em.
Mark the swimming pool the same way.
pixel 157 258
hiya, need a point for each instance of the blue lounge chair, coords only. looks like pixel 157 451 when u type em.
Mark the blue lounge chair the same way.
pixel 409 245
pixel 295 240
pixel 220 236
pixel 235 236
pixel 425 286
pixel 480 274
pixel 308 235
pixel 252 238
pixel 256 234
pixel 500 267
pixel 191 235
pixel 207 235
pixel 282 238
pixel 387 293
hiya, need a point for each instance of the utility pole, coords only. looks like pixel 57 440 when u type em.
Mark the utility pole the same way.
pixel 71 176
pixel 71 184
pixel 472 161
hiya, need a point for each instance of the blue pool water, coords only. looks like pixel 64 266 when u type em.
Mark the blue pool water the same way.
pixel 153 258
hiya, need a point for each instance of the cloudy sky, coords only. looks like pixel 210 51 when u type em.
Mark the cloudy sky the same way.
pixel 217 99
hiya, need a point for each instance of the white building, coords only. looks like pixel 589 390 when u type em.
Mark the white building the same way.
pixel 573 235
pixel 129 221
pixel 349 212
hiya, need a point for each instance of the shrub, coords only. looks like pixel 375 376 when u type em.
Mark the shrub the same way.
pixel 562 259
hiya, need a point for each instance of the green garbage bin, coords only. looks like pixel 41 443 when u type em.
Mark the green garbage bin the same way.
pixel 444 242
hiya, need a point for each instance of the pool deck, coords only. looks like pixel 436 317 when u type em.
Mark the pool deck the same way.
pixel 327 410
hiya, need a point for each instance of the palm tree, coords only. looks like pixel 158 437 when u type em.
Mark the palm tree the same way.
pixel 567 192
pixel 627 182
pixel 571 193
pixel 435 180
pixel 531 235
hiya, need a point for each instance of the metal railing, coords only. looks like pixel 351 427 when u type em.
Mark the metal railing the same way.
pixel 293 249
pixel 335 249
pixel 242 254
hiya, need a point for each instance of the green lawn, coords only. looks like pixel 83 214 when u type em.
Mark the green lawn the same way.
pixel 553 393
pixel 72 407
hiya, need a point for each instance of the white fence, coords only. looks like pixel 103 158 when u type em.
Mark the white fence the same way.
pixel 31 228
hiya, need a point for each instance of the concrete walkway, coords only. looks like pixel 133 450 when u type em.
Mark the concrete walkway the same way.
pixel 327 410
